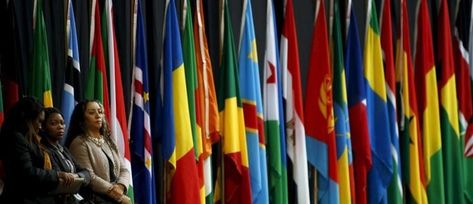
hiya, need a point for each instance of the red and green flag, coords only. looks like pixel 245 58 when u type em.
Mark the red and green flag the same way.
pixel 410 131
pixel 451 140
pixel 429 116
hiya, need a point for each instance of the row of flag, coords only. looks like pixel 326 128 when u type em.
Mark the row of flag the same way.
pixel 378 124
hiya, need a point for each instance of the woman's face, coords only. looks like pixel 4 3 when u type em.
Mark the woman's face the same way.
pixel 93 116
pixel 37 122
pixel 55 127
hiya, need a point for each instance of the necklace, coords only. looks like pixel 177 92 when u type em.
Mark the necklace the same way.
pixel 98 141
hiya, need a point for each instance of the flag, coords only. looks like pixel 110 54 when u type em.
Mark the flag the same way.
pixel 469 137
pixel 410 131
pixel 178 146
pixel 71 93
pixel 188 52
pixel 395 189
pixel 140 132
pixel 97 83
pixel 207 116
pixel 463 84
pixel 294 118
pixel 381 172
pixel 273 114
pixel 118 122
pixel 318 109
pixel 252 107
pixel 356 95
pixel 429 116
pixel 236 176
pixel 40 76
pixel 452 154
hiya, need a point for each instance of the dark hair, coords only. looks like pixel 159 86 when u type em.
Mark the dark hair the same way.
pixel 48 112
pixel 76 124
pixel 20 118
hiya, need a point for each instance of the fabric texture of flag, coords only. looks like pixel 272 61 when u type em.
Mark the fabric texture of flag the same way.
pixel 429 116
pixel 410 131
pixel 381 172
pixel 188 52
pixel 140 132
pixel 97 85
pixel 71 93
pixel 318 110
pixel 207 115
pixel 118 123
pixel 395 189
pixel 273 114
pixel 294 118
pixel 469 137
pixel 40 76
pixel 452 150
pixel 182 184
pixel 252 106
pixel 236 175
pixel 356 97
pixel 178 147
pixel 462 71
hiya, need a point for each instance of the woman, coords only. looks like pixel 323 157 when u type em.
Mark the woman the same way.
pixel 29 174
pixel 91 145
pixel 62 160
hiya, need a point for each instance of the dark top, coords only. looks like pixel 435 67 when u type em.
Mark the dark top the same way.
pixel 26 179
pixel 62 160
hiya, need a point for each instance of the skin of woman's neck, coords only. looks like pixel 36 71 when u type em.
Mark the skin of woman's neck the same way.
pixel 52 141
pixel 93 133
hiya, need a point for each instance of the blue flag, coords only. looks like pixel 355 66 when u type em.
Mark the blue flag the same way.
pixel 253 107
pixel 71 92
pixel 141 140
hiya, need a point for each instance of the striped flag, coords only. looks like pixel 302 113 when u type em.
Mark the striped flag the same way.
pixel 252 107
pixel 118 122
pixel 469 137
pixel 40 76
pixel 395 189
pixel 452 150
pixel 178 146
pixel 356 95
pixel 188 52
pixel 97 84
pixel 462 71
pixel 71 93
pixel 140 132
pixel 236 176
pixel 318 109
pixel 381 172
pixel 410 136
pixel 429 116
pixel 294 118
pixel 207 116
pixel 273 113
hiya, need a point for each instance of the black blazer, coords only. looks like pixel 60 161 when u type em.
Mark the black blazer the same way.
pixel 60 165
pixel 26 179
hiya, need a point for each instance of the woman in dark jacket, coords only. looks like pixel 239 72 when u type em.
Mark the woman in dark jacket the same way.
pixel 52 133
pixel 29 174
